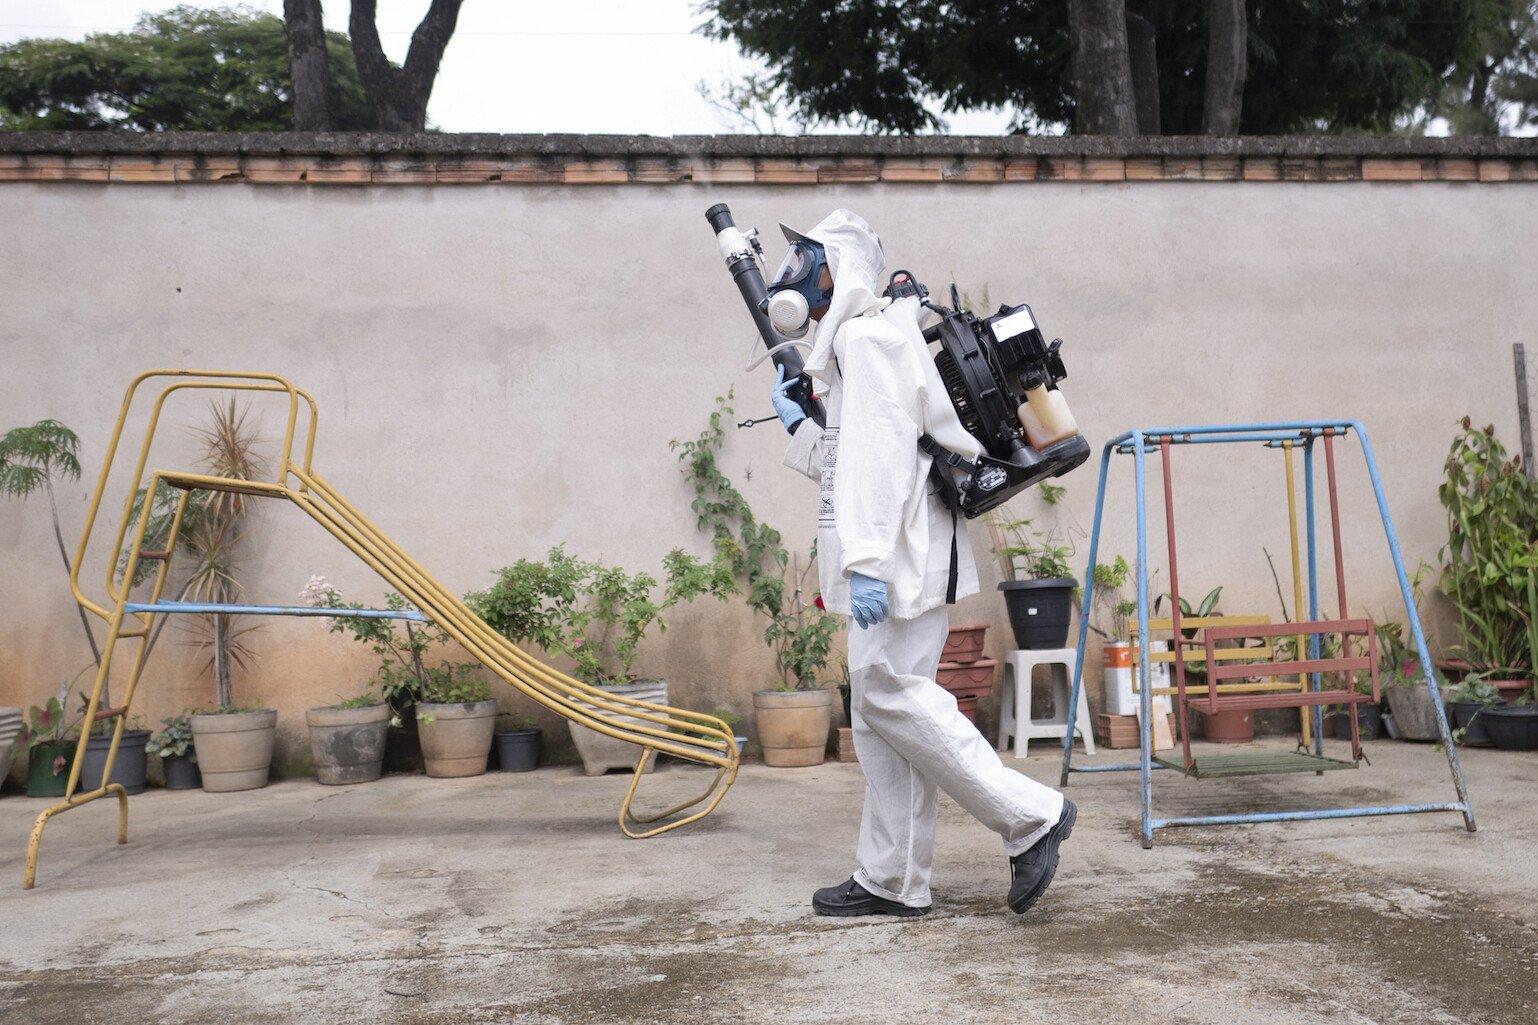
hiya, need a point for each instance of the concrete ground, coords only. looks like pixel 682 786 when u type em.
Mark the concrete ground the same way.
pixel 513 898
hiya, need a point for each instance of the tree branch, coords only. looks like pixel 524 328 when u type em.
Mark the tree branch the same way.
pixel 398 96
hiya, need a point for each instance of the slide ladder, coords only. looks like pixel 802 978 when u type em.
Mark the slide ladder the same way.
pixel 691 736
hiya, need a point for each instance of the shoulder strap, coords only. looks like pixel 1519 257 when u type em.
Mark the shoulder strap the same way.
pixel 944 458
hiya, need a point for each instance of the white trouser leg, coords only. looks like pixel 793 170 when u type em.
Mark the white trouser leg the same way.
pixel 917 739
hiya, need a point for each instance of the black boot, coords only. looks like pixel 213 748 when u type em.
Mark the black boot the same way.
pixel 1031 871
pixel 849 898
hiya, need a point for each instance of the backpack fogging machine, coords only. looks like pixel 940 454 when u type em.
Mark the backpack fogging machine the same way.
pixel 999 371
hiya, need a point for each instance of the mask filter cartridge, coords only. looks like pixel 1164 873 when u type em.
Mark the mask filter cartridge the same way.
pixel 788 313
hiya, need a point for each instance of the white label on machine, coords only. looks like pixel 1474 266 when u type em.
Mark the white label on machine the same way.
pixel 1017 323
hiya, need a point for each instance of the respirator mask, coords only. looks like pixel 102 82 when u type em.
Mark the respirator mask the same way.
pixel 797 292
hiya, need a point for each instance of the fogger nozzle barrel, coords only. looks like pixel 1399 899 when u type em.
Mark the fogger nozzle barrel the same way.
pixel 739 251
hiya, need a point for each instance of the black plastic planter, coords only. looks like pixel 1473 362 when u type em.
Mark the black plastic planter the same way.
pixel 1512 727
pixel 1039 610
pixel 182 773
pixel 518 750
pixel 128 769
pixel 1469 717
pixel 1369 722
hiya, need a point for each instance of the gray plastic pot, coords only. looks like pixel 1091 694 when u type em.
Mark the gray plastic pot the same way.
pixel 181 773
pixel 129 768
pixel 1512 727
pixel 234 749
pixel 347 744
pixel 456 739
pixel 518 750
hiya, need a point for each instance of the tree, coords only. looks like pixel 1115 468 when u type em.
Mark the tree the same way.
pixel 1303 66
pixel 398 95
pixel 30 459
pixel 220 70
pixel 314 92
pixel 1102 68
pixel 1494 86
pixel 1227 56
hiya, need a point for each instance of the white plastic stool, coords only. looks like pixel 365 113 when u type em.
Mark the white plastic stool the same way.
pixel 1015 722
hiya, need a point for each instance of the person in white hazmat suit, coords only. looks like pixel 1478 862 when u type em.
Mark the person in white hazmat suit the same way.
pixel 884 548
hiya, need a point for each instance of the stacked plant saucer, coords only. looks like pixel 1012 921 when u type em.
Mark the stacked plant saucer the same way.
pixel 963 670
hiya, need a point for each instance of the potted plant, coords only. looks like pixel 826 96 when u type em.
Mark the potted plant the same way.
pixel 1111 620
pixel 210 544
pixel 1514 727
pixel 1465 704
pixel 50 751
pixel 596 616
pixel 234 746
pixel 517 740
pixel 794 717
pixel 455 719
pixel 1404 687
pixel 1490 562
pixel 129 768
pixel 405 651
pixel 347 739
pixel 733 720
pixel 1038 583
pixel 178 757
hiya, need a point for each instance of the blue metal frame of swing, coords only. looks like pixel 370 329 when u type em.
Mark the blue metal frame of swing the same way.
pixel 1136 444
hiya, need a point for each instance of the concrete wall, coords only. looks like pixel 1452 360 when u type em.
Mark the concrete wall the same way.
pixel 501 369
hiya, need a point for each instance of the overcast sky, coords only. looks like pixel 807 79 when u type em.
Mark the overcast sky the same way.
pixel 518 65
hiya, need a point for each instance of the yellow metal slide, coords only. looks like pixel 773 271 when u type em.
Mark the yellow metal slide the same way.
pixel 690 736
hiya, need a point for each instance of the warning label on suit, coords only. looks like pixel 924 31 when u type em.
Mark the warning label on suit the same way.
pixel 829 463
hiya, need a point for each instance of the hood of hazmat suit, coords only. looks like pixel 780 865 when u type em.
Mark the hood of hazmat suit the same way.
pixel 882 391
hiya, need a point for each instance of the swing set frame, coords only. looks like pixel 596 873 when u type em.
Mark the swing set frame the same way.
pixel 1310 696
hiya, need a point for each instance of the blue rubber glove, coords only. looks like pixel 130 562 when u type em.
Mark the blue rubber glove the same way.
pixel 867 600
pixel 790 413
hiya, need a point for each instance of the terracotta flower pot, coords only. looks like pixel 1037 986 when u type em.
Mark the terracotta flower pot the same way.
pixel 234 748
pixel 1231 727
pixel 964 643
pixel 456 738
pixel 793 726
pixel 967 683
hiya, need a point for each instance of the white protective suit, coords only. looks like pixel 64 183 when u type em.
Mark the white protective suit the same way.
pixel 879 516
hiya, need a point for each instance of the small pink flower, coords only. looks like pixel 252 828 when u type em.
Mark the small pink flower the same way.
pixel 576 645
